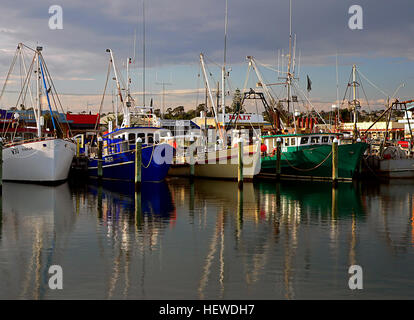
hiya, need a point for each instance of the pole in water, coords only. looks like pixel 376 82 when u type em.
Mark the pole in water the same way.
pixel 192 161
pixel 240 166
pixel 335 161
pixel 100 169
pixel 278 157
pixel 77 148
pixel 138 163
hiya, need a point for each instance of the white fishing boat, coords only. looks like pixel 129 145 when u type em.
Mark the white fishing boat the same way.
pixel 392 160
pixel 45 159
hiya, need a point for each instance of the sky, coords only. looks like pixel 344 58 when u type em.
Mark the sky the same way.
pixel 178 31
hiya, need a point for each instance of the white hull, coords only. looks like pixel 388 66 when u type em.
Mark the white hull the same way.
pixel 39 161
pixel 397 168
pixel 221 164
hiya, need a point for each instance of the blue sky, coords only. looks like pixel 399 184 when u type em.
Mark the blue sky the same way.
pixel 177 31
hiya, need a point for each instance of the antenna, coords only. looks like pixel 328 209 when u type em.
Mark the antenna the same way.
pixel 143 56
pixel 163 84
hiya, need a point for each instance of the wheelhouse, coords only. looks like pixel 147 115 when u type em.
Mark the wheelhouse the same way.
pixel 295 141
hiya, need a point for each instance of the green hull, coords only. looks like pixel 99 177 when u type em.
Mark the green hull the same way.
pixel 315 161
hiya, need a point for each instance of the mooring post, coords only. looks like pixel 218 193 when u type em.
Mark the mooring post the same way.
pixel 138 163
pixel 77 148
pixel 240 167
pixel 192 160
pixel 335 161
pixel 100 169
pixel 278 157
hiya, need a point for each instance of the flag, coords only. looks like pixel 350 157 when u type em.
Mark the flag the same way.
pixel 309 86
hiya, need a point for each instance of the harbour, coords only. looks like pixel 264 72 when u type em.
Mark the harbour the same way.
pixel 260 170
pixel 201 241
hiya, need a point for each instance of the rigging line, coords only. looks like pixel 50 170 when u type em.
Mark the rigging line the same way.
pixel 297 88
pixel 198 85
pixel 267 66
pixel 48 79
pixel 47 93
pixel 57 95
pixel 372 84
pixel 10 71
pixel 346 91
pixel 363 90
pixel 103 97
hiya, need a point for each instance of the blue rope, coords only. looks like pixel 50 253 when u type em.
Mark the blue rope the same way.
pixel 47 94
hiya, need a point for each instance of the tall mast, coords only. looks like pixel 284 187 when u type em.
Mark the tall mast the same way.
pixel 288 78
pixel 38 93
pixel 143 55
pixel 355 103
pixel 337 87
pixel 223 70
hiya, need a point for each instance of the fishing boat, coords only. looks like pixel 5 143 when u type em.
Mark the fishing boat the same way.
pixel 215 154
pixel 310 156
pixel 393 160
pixel 305 152
pixel 46 158
pixel 139 122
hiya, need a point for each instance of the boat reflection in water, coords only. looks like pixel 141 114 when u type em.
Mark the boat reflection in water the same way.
pixel 37 221
pixel 207 239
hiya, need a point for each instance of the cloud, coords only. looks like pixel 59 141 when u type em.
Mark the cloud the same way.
pixel 176 32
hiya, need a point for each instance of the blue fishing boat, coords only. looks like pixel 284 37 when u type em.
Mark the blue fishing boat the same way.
pixel 119 155
pixel 139 122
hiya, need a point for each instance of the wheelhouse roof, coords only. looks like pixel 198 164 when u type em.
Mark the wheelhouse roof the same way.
pixel 303 135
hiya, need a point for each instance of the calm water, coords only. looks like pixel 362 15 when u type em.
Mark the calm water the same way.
pixel 207 241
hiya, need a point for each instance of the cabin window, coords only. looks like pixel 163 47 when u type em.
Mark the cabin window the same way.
pixel 314 140
pixel 142 136
pixel 292 141
pixel 332 138
pixel 325 139
pixel 304 140
pixel 150 138
pixel 157 138
pixel 287 142
pixel 132 138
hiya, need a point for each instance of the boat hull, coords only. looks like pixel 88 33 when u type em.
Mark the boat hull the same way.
pixel 396 168
pixel 315 161
pixel 46 161
pixel 121 166
pixel 221 164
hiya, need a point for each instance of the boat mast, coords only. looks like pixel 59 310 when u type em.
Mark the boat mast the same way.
pixel 223 70
pixel 143 55
pixel 354 102
pixel 38 93
pixel 213 106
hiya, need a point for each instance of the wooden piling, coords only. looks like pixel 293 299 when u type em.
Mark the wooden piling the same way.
pixel 240 166
pixel 278 157
pixel 138 163
pixel 77 148
pixel 335 162
pixel 100 168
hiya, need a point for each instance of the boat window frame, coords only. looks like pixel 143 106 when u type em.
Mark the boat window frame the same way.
pixel 302 139
pixel 313 138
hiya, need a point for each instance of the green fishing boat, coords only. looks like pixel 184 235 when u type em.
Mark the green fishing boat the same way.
pixel 310 156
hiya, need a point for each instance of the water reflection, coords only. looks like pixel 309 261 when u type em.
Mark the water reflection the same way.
pixel 207 239
pixel 37 221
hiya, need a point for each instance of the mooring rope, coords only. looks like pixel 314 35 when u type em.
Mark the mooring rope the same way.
pixel 310 169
